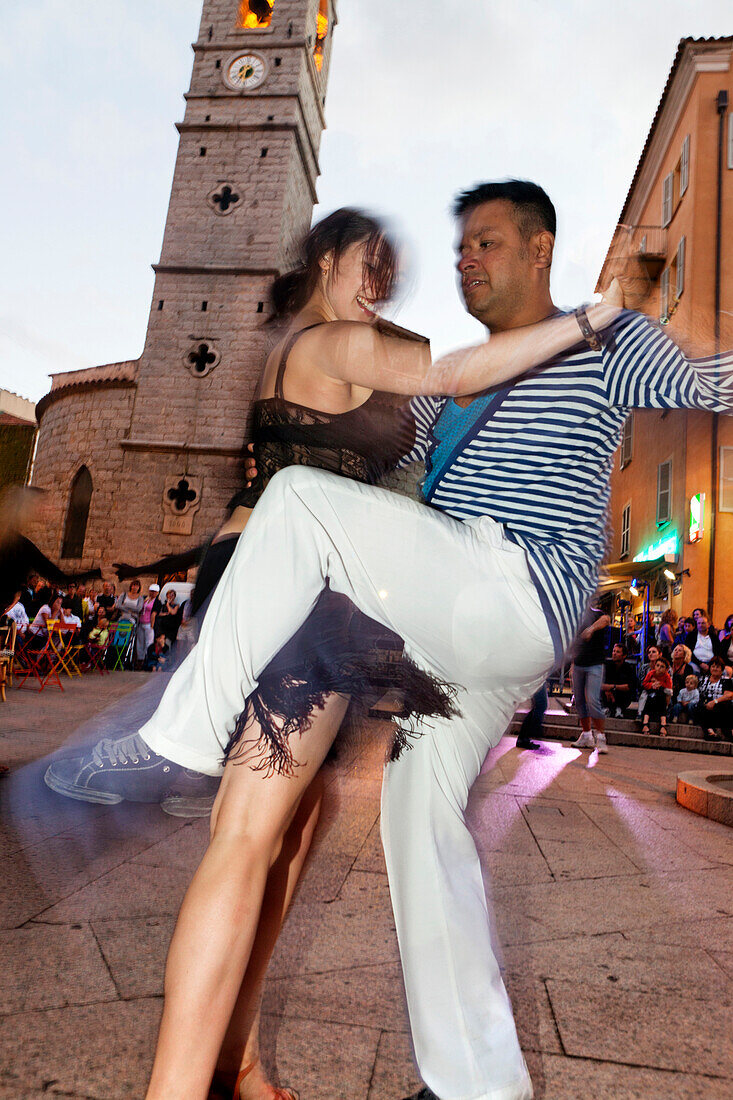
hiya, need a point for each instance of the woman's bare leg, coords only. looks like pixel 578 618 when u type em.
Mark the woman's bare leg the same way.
pixel 241 1044
pixel 218 922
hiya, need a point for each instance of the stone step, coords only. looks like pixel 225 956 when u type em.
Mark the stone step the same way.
pixel 553 731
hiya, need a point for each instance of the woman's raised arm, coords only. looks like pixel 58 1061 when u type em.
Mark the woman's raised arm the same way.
pixel 359 354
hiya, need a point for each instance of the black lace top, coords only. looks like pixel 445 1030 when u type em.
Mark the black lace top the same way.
pixel 363 443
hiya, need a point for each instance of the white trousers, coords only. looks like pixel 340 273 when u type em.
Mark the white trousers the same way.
pixel 461 596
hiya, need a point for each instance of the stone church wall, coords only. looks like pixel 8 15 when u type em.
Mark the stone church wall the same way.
pixel 80 428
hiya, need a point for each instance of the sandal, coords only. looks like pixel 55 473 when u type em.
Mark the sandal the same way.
pixel 277 1094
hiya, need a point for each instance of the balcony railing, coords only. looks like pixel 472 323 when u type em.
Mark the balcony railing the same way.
pixel 644 243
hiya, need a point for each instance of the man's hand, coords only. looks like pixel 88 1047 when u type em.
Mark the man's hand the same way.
pixel 250 465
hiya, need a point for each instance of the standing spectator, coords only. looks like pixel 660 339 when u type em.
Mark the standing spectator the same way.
pixel 631 639
pixel 587 680
pixel 704 643
pixel 18 614
pixel 157 653
pixel 130 603
pixel 532 724
pixel 666 634
pixel 657 696
pixel 169 618
pixel 714 710
pixel 681 669
pixel 129 607
pixel 687 701
pixel 619 682
pixel 106 598
pixel 146 625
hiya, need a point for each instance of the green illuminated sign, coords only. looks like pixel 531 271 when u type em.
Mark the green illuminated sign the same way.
pixel 668 545
pixel 697 517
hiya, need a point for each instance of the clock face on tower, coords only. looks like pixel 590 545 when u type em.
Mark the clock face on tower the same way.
pixel 245 71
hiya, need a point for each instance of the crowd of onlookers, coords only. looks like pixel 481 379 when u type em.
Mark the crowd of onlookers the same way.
pixel 685 675
pixel 153 620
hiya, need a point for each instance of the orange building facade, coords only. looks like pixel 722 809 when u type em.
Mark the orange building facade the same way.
pixel 672 484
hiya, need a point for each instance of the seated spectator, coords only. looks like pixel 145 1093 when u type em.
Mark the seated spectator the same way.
pixel 726 641
pixel 686 702
pixel 714 712
pixel 17 613
pixel 99 634
pixel 29 595
pixel 67 616
pixel 681 669
pixel 704 643
pixel 685 628
pixel 658 691
pixel 50 609
pixel 619 682
pixel 157 653
pixel 75 604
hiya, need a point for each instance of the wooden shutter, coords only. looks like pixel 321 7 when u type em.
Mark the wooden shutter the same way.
pixel 680 268
pixel 664 491
pixel 685 166
pixel 725 495
pixel 667 198
pixel 664 296
pixel 627 441
pixel 625 530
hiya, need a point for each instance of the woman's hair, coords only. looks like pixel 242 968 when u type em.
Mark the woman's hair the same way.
pixel 669 617
pixel 333 235
pixel 135 583
pixel 727 623
pixel 719 662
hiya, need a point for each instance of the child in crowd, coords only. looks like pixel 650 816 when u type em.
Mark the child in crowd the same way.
pixel 99 634
pixel 157 653
pixel 686 702
pixel 658 689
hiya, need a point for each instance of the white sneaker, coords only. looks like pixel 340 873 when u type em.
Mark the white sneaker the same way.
pixel 585 741
pixel 601 745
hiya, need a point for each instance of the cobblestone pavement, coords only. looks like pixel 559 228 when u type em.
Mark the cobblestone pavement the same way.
pixel 613 910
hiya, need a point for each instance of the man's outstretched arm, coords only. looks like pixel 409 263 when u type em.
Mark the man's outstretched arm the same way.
pixel 645 369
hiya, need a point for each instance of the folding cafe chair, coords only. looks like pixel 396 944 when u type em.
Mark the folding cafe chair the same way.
pixel 8 634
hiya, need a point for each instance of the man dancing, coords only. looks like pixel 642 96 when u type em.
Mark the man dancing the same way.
pixel 486 587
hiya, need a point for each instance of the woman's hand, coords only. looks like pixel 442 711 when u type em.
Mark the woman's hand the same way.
pixel 250 465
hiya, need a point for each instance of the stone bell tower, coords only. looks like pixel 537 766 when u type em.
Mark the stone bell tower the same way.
pixel 242 196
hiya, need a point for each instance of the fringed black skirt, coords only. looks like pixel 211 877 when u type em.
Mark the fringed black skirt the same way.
pixel 337 650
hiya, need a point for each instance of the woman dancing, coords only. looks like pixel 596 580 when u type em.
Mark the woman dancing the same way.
pixel 320 406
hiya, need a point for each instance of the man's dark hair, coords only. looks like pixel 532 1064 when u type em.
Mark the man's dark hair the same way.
pixel 621 646
pixel 533 208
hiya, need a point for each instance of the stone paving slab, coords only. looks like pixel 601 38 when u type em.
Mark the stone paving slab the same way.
pixel 52 967
pixel 662 1030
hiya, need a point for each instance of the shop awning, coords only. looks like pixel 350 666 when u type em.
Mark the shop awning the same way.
pixel 620 574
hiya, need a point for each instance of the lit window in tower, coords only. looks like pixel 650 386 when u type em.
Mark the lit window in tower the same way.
pixel 254 15
pixel 321 34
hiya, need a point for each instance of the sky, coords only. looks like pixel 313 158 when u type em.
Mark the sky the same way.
pixel 424 99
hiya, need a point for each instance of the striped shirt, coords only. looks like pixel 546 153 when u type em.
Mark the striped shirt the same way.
pixel 539 459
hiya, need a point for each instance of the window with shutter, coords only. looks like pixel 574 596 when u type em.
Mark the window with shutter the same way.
pixel 667 198
pixel 627 441
pixel 664 492
pixel 680 285
pixel 685 166
pixel 725 494
pixel 625 531
pixel 730 141
pixel 664 296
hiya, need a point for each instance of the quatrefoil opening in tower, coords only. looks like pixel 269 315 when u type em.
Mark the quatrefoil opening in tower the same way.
pixel 201 358
pixel 181 500
pixel 225 198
